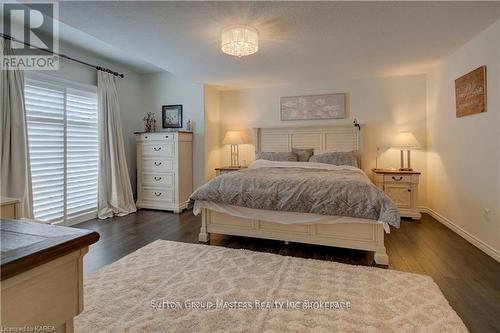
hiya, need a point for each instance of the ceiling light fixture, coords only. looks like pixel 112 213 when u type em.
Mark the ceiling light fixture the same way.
pixel 240 40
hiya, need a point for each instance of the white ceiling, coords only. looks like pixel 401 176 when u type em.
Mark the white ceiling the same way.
pixel 90 43
pixel 299 41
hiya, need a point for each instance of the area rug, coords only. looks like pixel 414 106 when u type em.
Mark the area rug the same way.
pixel 178 287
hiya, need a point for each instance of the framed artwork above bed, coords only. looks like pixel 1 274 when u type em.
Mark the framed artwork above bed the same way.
pixel 313 107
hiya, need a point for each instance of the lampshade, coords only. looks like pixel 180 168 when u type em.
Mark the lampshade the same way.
pixel 239 40
pixel 405 140
pixel 233 138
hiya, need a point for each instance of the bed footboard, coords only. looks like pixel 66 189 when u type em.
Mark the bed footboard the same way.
pixel 360 236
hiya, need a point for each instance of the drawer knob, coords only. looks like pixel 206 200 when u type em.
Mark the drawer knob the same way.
pixel 146 137
pixel 157 163
pixel 157 194
pixel 409 190
pixel 157 178
pixel 157 148
pixel 397 179
pixel 166 136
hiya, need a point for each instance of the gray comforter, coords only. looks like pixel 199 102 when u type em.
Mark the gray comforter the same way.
pixel 341 192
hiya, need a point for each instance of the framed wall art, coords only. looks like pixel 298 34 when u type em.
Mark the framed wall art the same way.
pixel 171 116
pixel 470 93
pixel 327 106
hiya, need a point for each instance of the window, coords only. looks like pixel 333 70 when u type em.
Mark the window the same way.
pixel 64 149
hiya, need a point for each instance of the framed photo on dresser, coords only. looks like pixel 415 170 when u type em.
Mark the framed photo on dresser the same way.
pixel 171 116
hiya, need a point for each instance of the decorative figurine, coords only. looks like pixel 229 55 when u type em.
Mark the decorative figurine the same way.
pixel 149 122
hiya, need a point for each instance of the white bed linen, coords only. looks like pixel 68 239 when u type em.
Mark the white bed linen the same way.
pixel 305 165
pixel 280 216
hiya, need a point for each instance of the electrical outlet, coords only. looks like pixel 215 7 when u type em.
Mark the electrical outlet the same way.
pixel 486 214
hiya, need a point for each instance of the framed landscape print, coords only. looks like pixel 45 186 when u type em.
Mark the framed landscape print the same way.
pixel 470 93
pixel 328 106
pixel 171 116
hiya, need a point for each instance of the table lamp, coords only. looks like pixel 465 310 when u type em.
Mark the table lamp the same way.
pixel 405 141
pixel 234 138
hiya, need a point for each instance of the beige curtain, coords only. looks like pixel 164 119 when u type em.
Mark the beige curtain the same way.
pixel 15 175
pixel 115 191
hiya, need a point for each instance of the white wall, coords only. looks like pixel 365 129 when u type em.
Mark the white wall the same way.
pixel 464 152
pixel 129 94
pixel 165 88
pixel 212 131
pixel 384 106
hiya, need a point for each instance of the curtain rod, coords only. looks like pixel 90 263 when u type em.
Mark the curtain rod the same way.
pixel 99 68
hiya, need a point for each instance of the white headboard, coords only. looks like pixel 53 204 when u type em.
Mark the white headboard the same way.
pixel 283 139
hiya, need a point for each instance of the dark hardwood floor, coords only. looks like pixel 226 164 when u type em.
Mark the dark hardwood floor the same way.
pixel 468 278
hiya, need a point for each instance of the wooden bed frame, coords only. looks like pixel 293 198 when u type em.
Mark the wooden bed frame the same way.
pixel 360 236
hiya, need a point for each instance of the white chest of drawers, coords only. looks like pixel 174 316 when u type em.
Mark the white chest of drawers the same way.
pixel 164 170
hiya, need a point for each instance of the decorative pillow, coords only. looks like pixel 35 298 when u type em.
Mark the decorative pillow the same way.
pixel 324 151
pixel 336 158
pixel 303 155
pixel 277 156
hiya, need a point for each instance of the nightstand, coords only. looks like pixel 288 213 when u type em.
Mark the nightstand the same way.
pixel 226 169
pixel 10 208
pixel 401 187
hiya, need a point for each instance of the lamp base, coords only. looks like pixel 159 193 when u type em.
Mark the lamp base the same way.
pixel 402 168
pixel 235 156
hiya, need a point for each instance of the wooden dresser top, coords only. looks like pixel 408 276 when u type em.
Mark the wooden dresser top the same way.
pixel 25 245
pixel 230 168
pixel 391 171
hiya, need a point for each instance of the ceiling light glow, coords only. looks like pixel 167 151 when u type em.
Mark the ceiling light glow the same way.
pixel 239 40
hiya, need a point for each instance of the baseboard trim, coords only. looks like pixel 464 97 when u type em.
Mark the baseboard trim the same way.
pixel 486 248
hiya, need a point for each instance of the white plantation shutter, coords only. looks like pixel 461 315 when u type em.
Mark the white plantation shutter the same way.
pixel 82 152
pixel 45 117
pixel 64 149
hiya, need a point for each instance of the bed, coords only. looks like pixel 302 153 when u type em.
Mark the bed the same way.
pixel 354 228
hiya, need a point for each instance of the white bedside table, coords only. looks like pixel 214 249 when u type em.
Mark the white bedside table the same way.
pixel 221 170
pixel 401 187
pixel 10 208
